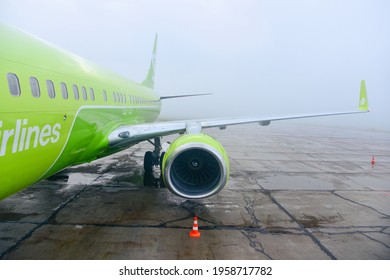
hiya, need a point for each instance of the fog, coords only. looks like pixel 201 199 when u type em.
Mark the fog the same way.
pixel 258 57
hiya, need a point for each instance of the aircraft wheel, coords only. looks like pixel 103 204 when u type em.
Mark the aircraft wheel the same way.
pixel 148 161
pixel 161 160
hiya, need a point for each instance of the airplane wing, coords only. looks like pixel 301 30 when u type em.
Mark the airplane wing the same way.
pixel 129 134
pixel 184 95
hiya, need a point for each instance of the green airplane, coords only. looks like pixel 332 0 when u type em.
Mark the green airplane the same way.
pixel 59 110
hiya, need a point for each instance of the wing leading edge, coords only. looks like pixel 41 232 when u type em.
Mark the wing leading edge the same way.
pixel 129 134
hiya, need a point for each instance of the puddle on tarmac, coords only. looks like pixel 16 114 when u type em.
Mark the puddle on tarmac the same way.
pixel 314 222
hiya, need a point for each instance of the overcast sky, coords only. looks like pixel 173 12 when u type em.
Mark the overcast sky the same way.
pixel 257 57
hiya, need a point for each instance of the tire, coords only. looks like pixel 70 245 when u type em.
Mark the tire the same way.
pixel 161 160
pixel 148 161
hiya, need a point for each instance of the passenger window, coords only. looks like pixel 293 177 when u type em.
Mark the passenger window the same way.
pixel 92 94
pixel 35 90
pixel 13 84
pixel 104 96
pixel 64 91
pixel 114 96
pixel 84 91
pixel 76 92
pixel 50 89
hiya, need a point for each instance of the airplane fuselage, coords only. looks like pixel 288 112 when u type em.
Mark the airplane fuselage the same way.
pixel 57 109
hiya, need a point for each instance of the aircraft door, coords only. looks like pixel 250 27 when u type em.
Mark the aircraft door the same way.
pixel 130 104
pixel 123 101
pixel 124 104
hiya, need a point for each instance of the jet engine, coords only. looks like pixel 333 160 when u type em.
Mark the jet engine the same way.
pixel 195 166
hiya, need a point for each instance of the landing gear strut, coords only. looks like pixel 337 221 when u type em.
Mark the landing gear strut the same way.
pixel 153 158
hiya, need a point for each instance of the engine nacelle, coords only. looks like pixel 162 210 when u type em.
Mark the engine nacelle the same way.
pixel 195 166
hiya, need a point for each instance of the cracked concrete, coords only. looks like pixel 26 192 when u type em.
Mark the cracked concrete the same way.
pixel 295 192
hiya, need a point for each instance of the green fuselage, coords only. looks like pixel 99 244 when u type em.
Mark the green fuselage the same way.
pixel 43 129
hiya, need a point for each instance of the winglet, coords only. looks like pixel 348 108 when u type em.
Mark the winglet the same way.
pixel 149 80
pixel 363 102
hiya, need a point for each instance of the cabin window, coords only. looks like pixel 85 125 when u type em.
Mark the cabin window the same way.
pixel 35 90
pixel 76 92
pixel 64 91
pixel 92 94
pixel 50 89
pixel 105 96
pixel 114 96
pixel 13 84
pixel 84 92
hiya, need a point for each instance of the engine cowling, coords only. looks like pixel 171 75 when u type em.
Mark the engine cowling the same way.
pixel 195 166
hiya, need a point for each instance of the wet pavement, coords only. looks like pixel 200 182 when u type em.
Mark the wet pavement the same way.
pixel 295 192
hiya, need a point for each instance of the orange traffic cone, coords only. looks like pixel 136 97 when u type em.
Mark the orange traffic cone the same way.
pixel 194 232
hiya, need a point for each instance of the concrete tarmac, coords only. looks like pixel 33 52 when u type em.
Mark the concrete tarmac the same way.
pixel 296 191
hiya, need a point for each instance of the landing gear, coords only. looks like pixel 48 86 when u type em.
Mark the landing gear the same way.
pixel 148 161
pixel 152 176
pixel 153 158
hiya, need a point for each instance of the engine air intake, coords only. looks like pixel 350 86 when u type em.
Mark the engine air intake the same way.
pixel 195 169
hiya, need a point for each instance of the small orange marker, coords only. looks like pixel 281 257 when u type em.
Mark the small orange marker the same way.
pixel 373 160
pixel 195 232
